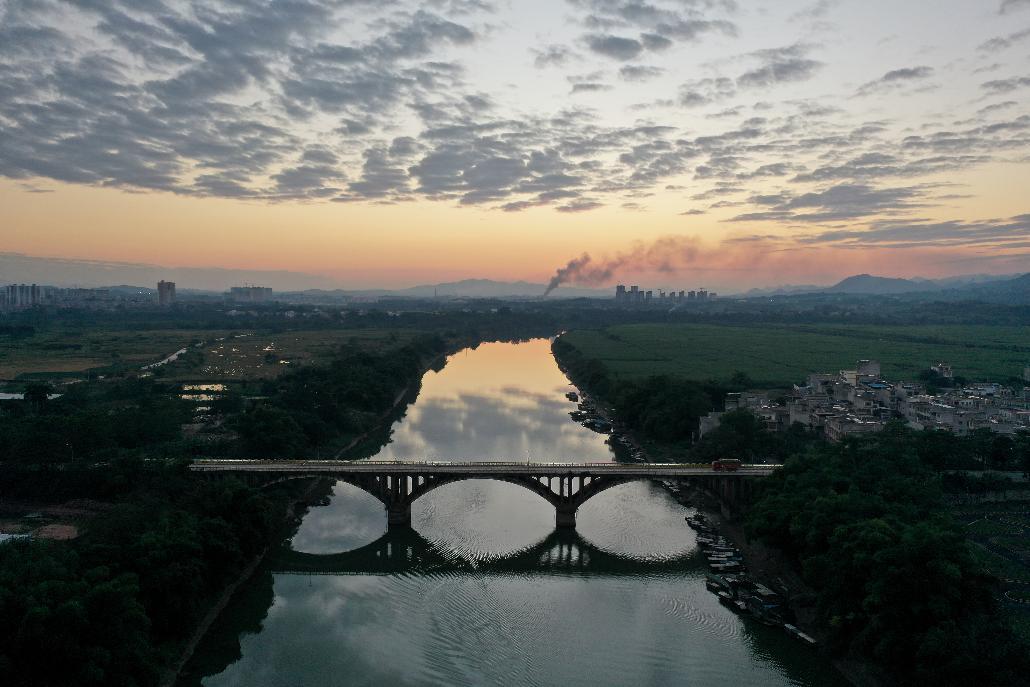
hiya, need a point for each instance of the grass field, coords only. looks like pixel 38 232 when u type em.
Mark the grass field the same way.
pixel 241 355
pixel 999 566
pixel 65 352
pixel 266 355
pixel 779 355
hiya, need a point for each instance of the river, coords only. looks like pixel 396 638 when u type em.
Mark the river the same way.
pixel 485 591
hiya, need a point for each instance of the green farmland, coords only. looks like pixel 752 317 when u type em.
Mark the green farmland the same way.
pixel 72 352
pixel 780 355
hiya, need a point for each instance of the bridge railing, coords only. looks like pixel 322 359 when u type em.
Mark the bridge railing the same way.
pixel 471 463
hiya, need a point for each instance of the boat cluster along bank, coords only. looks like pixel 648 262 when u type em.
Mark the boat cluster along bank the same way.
pixel 729 580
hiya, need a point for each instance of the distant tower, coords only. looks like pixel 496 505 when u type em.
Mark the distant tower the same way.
pixel 620 292
pixel 166 292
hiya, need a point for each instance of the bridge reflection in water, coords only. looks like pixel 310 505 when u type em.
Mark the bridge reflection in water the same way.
pixel 404 551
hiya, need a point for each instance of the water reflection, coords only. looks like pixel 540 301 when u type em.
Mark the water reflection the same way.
pixel 483 590
pixel 473 409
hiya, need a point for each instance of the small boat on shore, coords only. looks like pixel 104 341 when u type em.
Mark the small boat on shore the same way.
pixel 715 583
pixel 726 599
pixel 794 632
pixel 727 567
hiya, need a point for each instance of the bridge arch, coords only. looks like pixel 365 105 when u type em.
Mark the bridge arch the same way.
pixel 565 492
pixel 566 486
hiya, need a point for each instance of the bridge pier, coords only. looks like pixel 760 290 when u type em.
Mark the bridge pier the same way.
pixel 398 515
pixel 565 517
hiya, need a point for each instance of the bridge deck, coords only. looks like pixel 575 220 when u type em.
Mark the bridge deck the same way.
pixel 486 468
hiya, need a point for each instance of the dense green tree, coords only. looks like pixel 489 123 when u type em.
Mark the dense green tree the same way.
pixel 866 523
pixel 37 396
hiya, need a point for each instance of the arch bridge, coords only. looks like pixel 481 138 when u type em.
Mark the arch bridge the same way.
pixel 566 486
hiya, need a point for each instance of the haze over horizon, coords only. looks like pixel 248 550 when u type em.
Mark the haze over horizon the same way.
pixel 730 144
pixel 70 272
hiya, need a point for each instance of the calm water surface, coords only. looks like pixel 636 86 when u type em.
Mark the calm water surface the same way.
pixel 484 591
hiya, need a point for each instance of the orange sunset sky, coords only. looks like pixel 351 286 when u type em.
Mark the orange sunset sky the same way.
pixel 797 142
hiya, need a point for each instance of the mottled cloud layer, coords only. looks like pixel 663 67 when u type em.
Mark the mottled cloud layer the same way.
pixel 391 102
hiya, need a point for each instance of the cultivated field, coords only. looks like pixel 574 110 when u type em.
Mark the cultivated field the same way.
pixel 71 352
pixel 223 355
pixel 258 355
pixel 779 355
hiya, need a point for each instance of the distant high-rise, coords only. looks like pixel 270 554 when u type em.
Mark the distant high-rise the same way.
pixel 166 292
pixel 620 292
pixel 23 295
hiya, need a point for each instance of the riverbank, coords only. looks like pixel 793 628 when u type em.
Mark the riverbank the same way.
pixel 408 390
pixel 290 517
pixel 773 568
pixel 172 675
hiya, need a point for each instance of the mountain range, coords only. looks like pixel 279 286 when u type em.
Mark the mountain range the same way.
pixel 989 286
pixel 18 268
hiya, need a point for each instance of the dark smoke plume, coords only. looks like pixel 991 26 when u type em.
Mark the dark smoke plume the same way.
pixel 669 254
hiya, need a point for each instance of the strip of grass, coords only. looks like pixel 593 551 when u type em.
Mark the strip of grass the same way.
pixel 989 528
pixel 999 566
pixel 780 355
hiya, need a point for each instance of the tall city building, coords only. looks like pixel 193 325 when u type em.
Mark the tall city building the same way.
pixel 166 292
pixel 620 292
pixel 23 295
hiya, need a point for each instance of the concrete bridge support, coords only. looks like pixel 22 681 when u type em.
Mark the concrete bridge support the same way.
pixel 398 515
pixel 565 516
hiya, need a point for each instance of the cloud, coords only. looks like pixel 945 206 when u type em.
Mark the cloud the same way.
pixel 999 43
pixel 590 87
pixel 615 47
pixel 1013 5
pixel 780 65
pixel 362 101
pixel 996 107
pixel 584 205
pixel 552 56
pixel 639 72
pixel 702 92
pixel 655 42
pixel 816 10
pixel 1000 86
pixel 895 79
pixel 832 204
pixel 994 234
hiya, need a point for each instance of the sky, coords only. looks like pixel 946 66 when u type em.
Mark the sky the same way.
pixel 678 143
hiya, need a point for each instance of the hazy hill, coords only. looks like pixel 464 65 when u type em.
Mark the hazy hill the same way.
pixel 1008 291
pixel 869 284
